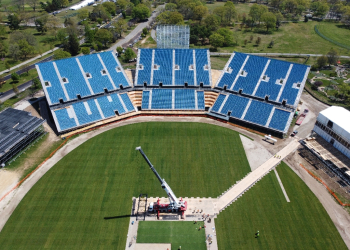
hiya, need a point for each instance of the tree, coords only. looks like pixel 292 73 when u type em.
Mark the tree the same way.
pixel 64 3
pixel 2 30
pixel 15 77
pixel 110 7
pixel 216 40
pixel 53 24
pixel 170 17
pixel 258 41
pixel 3 49
pixel 103 36
pixel 60 54
pixel 100 12
pixel 332 57
pixel 141 12
pixel 322 61
pixel 119 50
pixel 83 13
pixel 319 8
pixel 25 49
pixel 170 7
pixel 13 21
pixel 40 24
pixel 200 12
pixel 121 26
pixel 227 35
pixel 144 31
pixel 7 66
pixel 61 35
pixel 72 45
pixel 269 20
pixel 230 11
pixel 85 50
pixel 14 51
pixel 212 22
pixel 256 11
pixel 199 32
pixel 36 83
pixel 279 18
pixel 220 12
pixel 33 3
pixel 129 55
pixel 19 35
pixel 15 89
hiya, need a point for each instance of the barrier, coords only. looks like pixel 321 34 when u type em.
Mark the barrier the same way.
pixel 324 184
pixel 330 40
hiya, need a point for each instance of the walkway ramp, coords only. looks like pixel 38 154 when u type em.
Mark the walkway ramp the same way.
pixel 253 177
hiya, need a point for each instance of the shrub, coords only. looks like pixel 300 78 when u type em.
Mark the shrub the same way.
pixel 15 77
pixel 85 50
pixel 318 83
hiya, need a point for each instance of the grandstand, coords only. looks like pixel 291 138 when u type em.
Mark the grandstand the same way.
pixel 18 129
pixel 86 89
pixel 173 67
pixel 255 91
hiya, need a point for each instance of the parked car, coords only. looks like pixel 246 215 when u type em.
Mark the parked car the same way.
pixel 294 133
pixel 1 93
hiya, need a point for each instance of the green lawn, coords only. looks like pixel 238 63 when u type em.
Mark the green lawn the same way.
pixel 240 8
pixel 335 31
pixel 67 207
pixel 178 233
pixel 218 62
pixel 301 224
pixel 23 79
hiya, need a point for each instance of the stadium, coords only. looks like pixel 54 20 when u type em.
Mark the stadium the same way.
pixel 194 126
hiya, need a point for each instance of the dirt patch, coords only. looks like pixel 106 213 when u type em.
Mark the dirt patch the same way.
pixel 215 75
pixel 8 179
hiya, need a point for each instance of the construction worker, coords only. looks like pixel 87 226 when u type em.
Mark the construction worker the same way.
pixel 257 234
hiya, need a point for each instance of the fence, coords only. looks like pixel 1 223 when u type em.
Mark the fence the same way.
pixel 330 40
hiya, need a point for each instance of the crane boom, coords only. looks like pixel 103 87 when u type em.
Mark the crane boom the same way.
pixel 174 202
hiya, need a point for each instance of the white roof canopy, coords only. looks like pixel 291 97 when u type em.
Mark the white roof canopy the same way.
pixel 339 116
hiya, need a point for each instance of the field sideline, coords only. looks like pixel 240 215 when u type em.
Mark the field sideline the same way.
pixel 67 207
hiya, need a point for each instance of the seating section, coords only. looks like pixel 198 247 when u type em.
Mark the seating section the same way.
pixel 258 112
pixel 184 58
pixel 88 111
pixel 234 65
pixel 63 119
pixel 54 91
pixel 145 60
pixel 279 119
pixel 173 99
pixel 253 68
pixel 173 67
pixel 164 74
pixel 76 83
pixel 218 103
pixel 98 82
pixel 236 105
pixel 111 64
pixel 296 76
pixel 276 82
pixel 276 71
pixel 145 99
pixel 185 99
pixel 202 61
pixel 200 100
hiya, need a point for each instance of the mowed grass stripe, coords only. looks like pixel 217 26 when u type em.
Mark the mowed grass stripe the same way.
pixel 178 233
pixel 301 224
pixel 66 208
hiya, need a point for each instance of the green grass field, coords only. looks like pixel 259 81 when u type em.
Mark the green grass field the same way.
pixel 178 233
pixel 336 32
pixel 66 209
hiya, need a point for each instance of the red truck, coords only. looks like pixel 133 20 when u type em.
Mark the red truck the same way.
pixel 302 117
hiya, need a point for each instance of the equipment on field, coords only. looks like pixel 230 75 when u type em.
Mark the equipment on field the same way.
pixel 175 204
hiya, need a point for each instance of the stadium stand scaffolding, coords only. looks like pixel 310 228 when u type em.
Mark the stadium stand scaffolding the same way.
pixel 18 129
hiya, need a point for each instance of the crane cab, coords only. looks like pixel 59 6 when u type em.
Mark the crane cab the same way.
pixel 150 208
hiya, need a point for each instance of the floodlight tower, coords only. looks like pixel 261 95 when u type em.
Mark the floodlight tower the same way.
pixel 175 204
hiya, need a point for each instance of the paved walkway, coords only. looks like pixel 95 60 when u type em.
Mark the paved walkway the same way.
pixel 242 186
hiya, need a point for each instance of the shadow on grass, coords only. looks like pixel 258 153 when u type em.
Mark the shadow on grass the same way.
pixel 119 216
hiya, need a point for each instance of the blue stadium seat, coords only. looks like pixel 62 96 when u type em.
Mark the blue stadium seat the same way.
pixel 235 64
pixel 235 104
pixel 63 119
pixel 145 99
pixel 254 67
pixel 202 60
pixel 185 99
pixel 55 91
pixel 76 85
pixel 200 100
pixel 145 60
pixel 276 70
pixel 108 108
pixel 184 58
pixel 161 99
pixel 111 64
pixel 279 119
pixel 258 112
pixel 117 105
pixel 163 58
pixel 218 103
pixel 127 102
pixel 92 65
pixel 296 76
pixel 82 114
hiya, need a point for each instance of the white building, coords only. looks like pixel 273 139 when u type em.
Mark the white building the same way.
pixel 333 125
